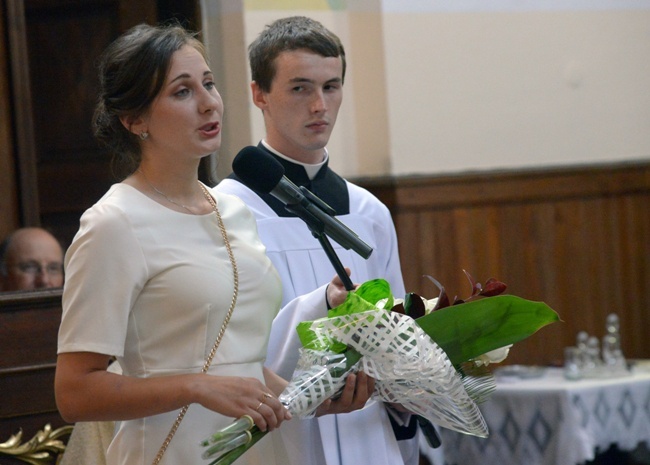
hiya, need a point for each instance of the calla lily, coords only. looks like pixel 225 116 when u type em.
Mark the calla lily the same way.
pixel 493 356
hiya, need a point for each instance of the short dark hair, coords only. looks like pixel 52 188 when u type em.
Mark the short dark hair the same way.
pixel 132 71
pixel 293 33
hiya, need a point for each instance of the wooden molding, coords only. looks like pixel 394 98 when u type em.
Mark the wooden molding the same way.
pixel 24 128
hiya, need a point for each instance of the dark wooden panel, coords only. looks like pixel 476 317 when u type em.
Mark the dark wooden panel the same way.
pixel 29 322
pixel 22 114
pixel 64 45
pixel 30 300
pixel 37 327
pixel 83 184
pixel 65 41
pixel 576 238
pixel 522 186
pixel 8 192
pixel 27 390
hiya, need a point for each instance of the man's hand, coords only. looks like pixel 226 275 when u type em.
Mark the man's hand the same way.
pixel 336 291
pixel 358 389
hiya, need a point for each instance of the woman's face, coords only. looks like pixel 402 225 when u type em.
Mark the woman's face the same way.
pixel 185 118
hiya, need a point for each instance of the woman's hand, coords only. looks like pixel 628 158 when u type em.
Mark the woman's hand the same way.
pixel 358 389
pixel 237 396
pixel 86 391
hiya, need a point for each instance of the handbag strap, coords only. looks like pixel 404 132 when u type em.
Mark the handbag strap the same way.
pixel 215 346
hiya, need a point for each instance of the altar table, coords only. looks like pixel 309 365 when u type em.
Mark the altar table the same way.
pixel 548 420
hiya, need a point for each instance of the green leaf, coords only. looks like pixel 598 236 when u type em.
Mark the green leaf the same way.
pixel 307 337
pixel 375 290
pixel 354 303
pixel 365 298
pixel 471 329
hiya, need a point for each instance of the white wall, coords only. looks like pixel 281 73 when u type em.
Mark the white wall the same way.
pixel 449 86
pixel 508 89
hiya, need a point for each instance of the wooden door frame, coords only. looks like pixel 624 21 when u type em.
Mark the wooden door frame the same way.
pixel 24 142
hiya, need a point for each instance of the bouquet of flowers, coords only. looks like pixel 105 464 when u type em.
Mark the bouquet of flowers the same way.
pixel 430 356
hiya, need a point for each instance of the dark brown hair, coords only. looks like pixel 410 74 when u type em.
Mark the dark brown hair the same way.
pixel 132 72
pixel 293 33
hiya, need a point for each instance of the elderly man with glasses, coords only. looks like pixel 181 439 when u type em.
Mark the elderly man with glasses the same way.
pixel 30 258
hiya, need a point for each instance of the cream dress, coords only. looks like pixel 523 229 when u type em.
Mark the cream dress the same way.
pixel 152 286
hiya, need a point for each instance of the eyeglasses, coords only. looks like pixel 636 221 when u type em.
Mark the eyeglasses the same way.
pixel 35 268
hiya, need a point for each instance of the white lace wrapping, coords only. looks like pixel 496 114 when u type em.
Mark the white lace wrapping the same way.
pixel 318 376
pixel 408 366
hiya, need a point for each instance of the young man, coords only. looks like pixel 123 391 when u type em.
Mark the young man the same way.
pixel 30 258
pixel 298 68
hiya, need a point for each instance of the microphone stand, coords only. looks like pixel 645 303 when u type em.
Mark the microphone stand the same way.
pixel 317 228
pixel 334 259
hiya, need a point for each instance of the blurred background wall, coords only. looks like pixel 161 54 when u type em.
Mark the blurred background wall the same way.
pixel 447 86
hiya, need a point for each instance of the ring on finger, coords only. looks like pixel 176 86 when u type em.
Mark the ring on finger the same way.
pixel 267 396
pixel 259 406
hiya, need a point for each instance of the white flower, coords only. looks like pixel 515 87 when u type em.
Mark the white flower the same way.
pixel 493 356
pixel 382 302
pixel 429 305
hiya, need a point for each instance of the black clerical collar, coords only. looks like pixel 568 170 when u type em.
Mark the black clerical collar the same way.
pixel 327 185
pixel 310 168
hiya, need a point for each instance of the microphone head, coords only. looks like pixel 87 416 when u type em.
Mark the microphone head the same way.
pixel 257 169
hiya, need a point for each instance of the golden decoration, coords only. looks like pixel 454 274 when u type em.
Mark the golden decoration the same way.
pixel 42 449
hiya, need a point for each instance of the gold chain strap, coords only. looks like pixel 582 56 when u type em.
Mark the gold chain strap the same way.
pixel 208 360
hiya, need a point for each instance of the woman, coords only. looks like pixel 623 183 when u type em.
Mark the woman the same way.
pixel 157 266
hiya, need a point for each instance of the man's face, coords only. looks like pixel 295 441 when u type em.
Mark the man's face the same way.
pixel 34 260
pixel 301 108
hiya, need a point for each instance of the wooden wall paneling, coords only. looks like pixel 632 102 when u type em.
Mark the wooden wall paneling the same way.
pixel 65 40
pixel 634 268
pixel 574 238
pixel 131 13
pixel 440 258
pixel 573 261
pixel 8 193
pixel 409 246
pixel 480 248
pixel 625 226
pixel 464 244
pixel 518 250
pixel 22 114
pixel 602 239
pixel 29 323
pixel 572 265
pixel 429 252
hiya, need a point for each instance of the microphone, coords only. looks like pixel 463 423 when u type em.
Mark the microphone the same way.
pixel 264 174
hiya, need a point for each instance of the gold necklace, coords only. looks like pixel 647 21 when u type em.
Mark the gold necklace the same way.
pixel 215 346
pixel 158 191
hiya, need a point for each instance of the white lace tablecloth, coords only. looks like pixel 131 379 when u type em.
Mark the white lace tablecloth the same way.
pixel 551 421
